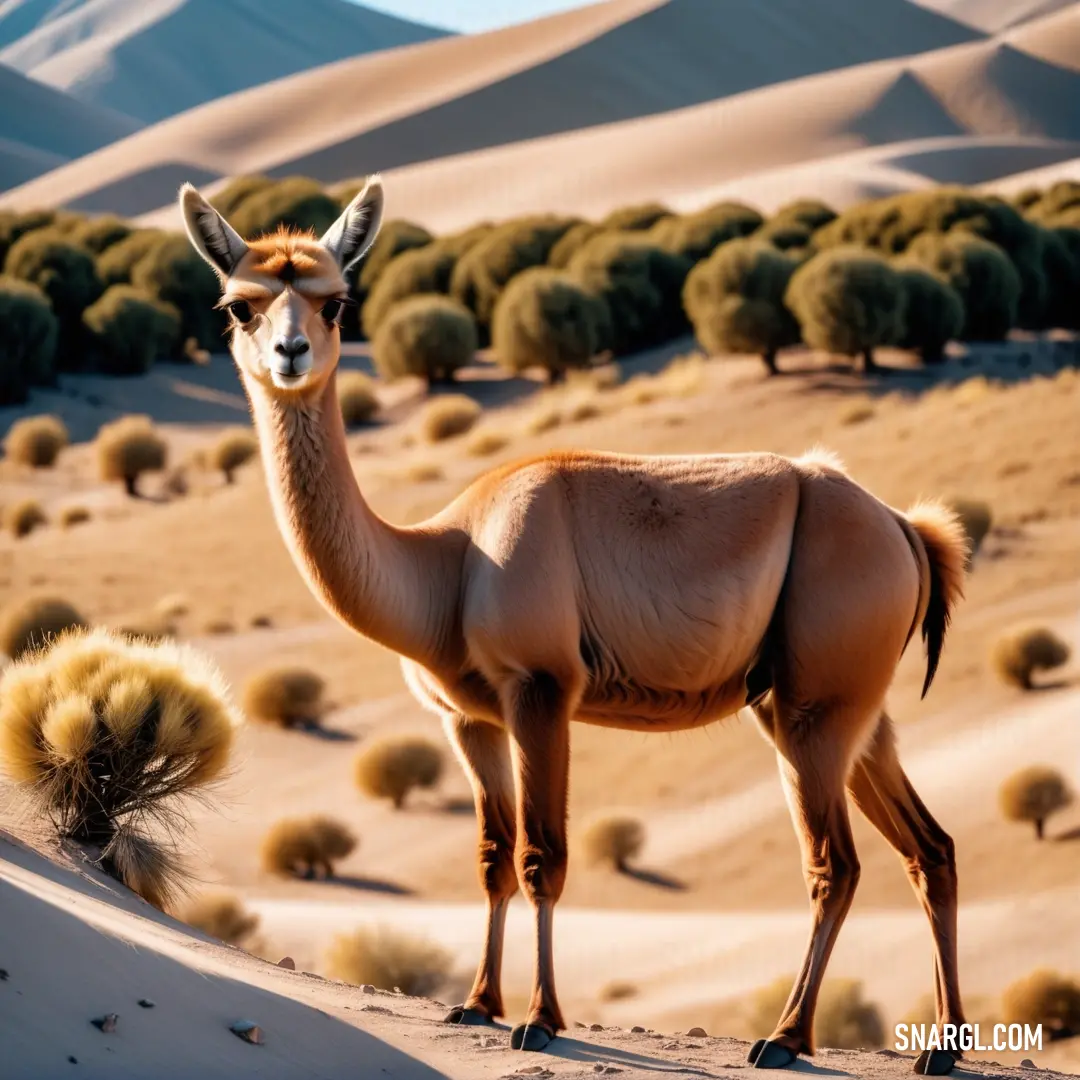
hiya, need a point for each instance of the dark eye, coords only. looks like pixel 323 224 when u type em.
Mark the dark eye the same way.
pixel 241 311
pixel 331 311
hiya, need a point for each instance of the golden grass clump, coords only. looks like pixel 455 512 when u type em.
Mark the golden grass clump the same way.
pixel 173 606
pixel 487 442
pixel 612 840
pixel 36 441
pixel 71 516
pixel 843 1021
pixel 235 447
pixel 221 915
pixel 146 626
pixel 1021 652
pixel 219 626
pixel 423 472
pixel 977 519
pixel 289 697
pixel 23 517
pixel 1044 997
pixel 306 847
pixel 107 737
pixel 1034 794
pixel 127 448
pixel 444 417
pixel 388 960
pixel 856 412
pixel 34 622
pixel 357 398
pixel 393 766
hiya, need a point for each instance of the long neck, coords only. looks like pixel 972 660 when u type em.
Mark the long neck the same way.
pixel 395 586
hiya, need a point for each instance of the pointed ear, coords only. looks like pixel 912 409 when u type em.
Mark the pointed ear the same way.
pixel 210 234
pixel 350 237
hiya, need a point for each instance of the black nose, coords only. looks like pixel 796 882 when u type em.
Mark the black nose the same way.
pixel 291 348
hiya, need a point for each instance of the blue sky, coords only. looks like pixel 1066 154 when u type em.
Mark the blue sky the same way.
pixel 472 15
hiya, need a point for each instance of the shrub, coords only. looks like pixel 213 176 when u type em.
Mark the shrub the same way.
pixel 1047 998
pixel 116 265
pixel 237 191
pixel 173 606
pixel 24 516
pixel 784 235
pixel 1024 650
pixel 295 202
pixel 36 441
pixel 1061 266
pixel 285 696
pixel 811 214
pixel 843 1020
pixel 108 736
pixel 71 516
pixel 933 312
pixel 612 840
pixel 357 398
pixel 33 623
pixel 735 300
pixel 485 443
pixel 145 627
pixel 420 271
pixel 695 236
pixel 446 417
pixel 235 447
pixel 394 239
pixel 127 448
pixel 388 960
pixel 128 330
pixel 544 318
pixel 28 345
pixel 428 336
pixel 640 283
pixel 14 225
pixel 306 847
pixel 221 915
pixel 99 234
pixel 636 217
pixel 977 519
pixel 66 274
pixel 982 275
pixel 393 766
pixel 1034 794
pixel 575 238
pixel 848 300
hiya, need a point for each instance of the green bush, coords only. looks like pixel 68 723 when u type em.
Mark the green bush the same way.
pixel 735 300
pixel 421 271
pixel 810 214
pixel 1056 207
pixel 484 270
pixel 1061 265
pixel 66 274
pixel 848 300
pixel 696 236
pixel 128 330
pixel 28 343
pixel 544 318
pixel 237 191
pixel 933 312
pixel 99 234
pixel 36 441
pixel 982 275
pixel 637 217
pixel 784 235
pixel 127 448
pixel 641 285
pixel 395 238
pixel 116 265
pixel 427 335
pixel 174 272
pixel 575 238
pixel 16 224
pixel 295 202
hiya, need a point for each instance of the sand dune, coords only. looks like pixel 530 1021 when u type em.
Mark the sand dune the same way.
pixel 155 58
pixel 1055 38
pixel 995 15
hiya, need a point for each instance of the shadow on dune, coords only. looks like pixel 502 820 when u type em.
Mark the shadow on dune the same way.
pixel 365 884
pixel 654 877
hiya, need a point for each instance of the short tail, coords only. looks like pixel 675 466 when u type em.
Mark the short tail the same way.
pixel 944 544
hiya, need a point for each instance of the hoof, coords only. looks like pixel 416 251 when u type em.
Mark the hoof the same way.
pixel 462 1014
pixel 533 1037
pixel 770 1055
pixel 934 1063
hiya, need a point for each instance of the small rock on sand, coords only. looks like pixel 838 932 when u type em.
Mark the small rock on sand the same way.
pixel 367 988
pixel 637 1029
pixel 670 1046
pixel 596 1027
pixel 1027 1063
pixel 146 1003
pixel 248 1030
pixel 698 1033
pixel 287 962
pixel 106 1023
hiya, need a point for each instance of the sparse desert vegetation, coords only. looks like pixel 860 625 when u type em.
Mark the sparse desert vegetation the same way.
pixel 233 448
pixel 394 766
pixel 612 840
pixel 34 622
pixel 71 516
pixel 1034 794
pixel 1044 997
pixel 289 697
pixel 357 397
pixel 845 1020
pixel 36 441
pixel 388 959
pixel 306 847
pixel 220 914
pixel 23 517
pixel 1024 651
pixel 446 417
pixel 129 447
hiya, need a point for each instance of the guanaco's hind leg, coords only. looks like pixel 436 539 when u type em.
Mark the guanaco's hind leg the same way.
pixel 484 752
pixel 885 795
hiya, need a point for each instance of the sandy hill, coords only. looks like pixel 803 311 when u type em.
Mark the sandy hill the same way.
pixel 154 58
pixel 49 128
pixel 611 63
pixel 995 15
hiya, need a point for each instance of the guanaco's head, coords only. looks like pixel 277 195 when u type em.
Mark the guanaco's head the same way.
pixel 285 293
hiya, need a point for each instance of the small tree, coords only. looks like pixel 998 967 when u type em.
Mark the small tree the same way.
pixel 696 236
pixel 933 312
pixel 295 202
pixel 101 233
pixel 28 344
pixel 429 336
pixel 394 766
pixel 613 840
pixel 117 263
pixel 307 847
pixel 1022 651
pixel 1034 794
pixel 575 238
pixel 237 191
pixel 128 330
pixel 235 447
pixel 544 318
pixel 637 217
pixel 288 697
pixel 1047 998
pixel 33 623
pixel 36 441
pixel 848 300
pixel 127 448
pixel 395 238
pixel 977 519
pixel 420 271
pixel 735 300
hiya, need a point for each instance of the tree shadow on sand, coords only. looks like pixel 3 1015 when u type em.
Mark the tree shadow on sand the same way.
pixel 366 884
pixel 653 877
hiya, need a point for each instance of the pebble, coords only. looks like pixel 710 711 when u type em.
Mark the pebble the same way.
pixel 637 1029
pixel 287 962
pixel 106 1023
pixel 73 1059
pixel 698 1033
pixel 312 975
pixel 367 988
pixel 670 1046
pixel 489 1042
pixel 528 1070
pixel 248 1030
pixel 596 1027
pixel 1027 1063
pixel 146 1003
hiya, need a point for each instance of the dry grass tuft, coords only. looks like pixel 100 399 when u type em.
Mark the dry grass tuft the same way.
pixel 393 766
pixel 23 517
pixel 977 519
pixel 1018 654
pixel 545 417
pixel 149 626
pixel 107 737
pixel 221 915
pixel 844 1020
pixel 127 448
pixel 357 398
pixel 173 606
pixel 617 991
pixel 219 626
pixel 1047 998
pixel 289 697
pixel 444 417
pixel 423 472
pixel 389 960
pixel 34 623
pixel 71 516
pixel 1034 794
pixel 36 441
pixel 235 447
pixel 855 412
pixel 581 408
pixel 485 443
pixel 306 847
pixel 612 840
